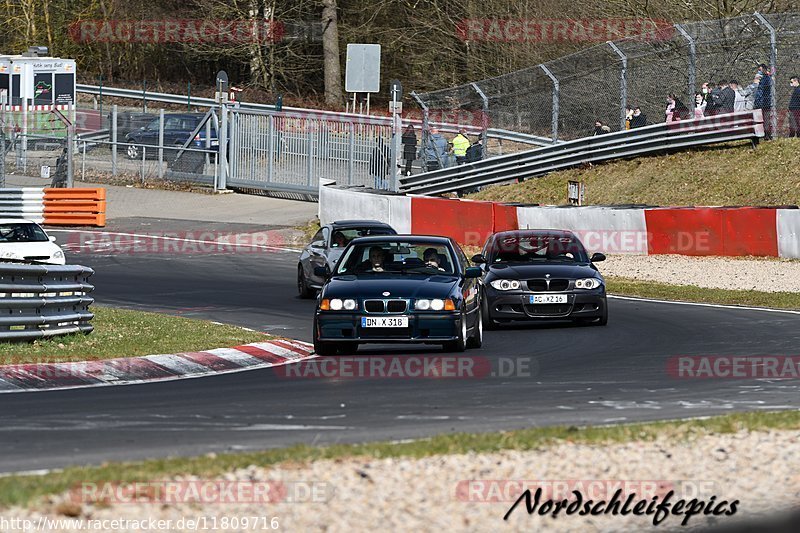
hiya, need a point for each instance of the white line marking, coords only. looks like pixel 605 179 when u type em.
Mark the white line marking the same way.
pixel 198 241
pixel 719 306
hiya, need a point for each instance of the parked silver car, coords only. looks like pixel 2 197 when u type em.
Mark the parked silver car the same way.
pixel 327 246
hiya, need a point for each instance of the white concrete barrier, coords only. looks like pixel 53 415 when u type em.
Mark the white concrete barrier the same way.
pixel 788 223
pixel 343 204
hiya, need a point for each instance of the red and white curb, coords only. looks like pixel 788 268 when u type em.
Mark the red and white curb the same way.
pixel 163 367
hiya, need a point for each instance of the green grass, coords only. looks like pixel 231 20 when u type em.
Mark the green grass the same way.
pixel 690 293
pixel 731 175
pixel 126 333
pixel 26 490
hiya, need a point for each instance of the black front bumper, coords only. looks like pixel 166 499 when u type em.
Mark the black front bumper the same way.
pixel 422 328
pixel 504 307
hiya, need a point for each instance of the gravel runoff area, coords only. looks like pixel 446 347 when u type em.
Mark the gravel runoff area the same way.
pixel 446 493
pixel 757 274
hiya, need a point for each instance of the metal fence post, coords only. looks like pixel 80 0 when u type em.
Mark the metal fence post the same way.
pixel 484 119
pixel 556 101
pixel 160 144
pixel 270 147
pixel 351 152
pixel 424 137
pixel 692 63
pixel 309 153
pixel 222 182
pixel 101 99
pixel 144 96
pixel 2 153
pixel 773 62
pixel 114 146
pixel 623 85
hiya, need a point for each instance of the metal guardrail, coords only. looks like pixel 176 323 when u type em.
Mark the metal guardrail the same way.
pixel 492 133
pixel 640 141
pixel 44 300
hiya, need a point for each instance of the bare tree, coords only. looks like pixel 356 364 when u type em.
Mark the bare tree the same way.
pixel 330 52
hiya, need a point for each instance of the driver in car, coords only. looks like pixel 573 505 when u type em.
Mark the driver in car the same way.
pixel 431 258
pixel 339 240
pixel 377 256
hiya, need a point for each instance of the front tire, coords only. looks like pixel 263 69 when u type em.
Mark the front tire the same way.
pixel 460 344
pixel 476 339
pixel 302 285
pixel 488 324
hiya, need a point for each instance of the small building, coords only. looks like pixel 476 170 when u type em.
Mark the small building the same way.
pixel 37 80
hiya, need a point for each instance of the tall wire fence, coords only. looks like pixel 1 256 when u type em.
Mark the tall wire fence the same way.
pixel 563 98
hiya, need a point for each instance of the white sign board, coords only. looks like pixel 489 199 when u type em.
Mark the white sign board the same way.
pixel 45 172
pixel 363 69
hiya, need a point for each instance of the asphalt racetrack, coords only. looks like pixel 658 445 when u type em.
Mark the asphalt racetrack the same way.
pixel 551 374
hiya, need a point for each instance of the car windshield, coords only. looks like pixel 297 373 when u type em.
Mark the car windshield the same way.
pixel 22 232
pixel 538 248
pixel 342 237
pixel 397 257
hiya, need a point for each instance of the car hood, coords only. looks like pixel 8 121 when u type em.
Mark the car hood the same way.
pixel 539 270
pixel 374 285
pixel 21 250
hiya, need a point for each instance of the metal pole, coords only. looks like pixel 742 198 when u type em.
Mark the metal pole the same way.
pixel 70 150
pixel 773 62
pixel 270 147
pixel 188 96
pixel 114 146
pixel 351 152
pixel 144 96
pixel 223 147
pixel 22 160
pixel 101 100
pixel 160 144
pixel 2 154
pixel 692 62
pixel 424 137
pixel 484 119
pixel 623 84
pixel 556 101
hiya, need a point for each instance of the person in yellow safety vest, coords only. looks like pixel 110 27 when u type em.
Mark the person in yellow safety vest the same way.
pixel 460 144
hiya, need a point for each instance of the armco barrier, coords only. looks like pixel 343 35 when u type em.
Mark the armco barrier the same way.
pixel 26 202
pixel 75 207
pixel 720 231
pixel 44 300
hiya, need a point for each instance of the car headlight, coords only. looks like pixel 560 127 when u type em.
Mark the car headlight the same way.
pixel 505 284
pixel 422 305
pixel 437 304
pixel 58 254
pixel 337 304
pixel 587 283
pixel 349 304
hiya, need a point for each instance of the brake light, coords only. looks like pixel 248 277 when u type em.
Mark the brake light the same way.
pixel 325 305
pixel 449 305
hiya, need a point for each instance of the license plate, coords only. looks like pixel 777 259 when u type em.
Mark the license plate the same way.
pixel 548 299
pixel 384 322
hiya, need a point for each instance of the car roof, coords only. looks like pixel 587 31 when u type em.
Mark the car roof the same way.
pixel 414 239
pixel 534 233
pixel 360 223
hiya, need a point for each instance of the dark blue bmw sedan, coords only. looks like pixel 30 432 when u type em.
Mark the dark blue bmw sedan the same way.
pixel 399 289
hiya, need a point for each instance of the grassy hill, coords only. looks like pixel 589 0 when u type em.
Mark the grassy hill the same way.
pixel 730 175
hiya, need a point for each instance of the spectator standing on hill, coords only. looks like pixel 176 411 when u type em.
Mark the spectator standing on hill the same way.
pixel 763 98
pixel 598 128
pixel 676 110
pixel 710 107
pixel 460 146
pixel 638 119
pixel 380 164
pixel 628 117
pixel 409 140
pixel 727 97
pixel 749 93
pixel 475 152
pixel 714 100
pixel 739 100
pixel 435 151
pixel 794 108
pixel 699 106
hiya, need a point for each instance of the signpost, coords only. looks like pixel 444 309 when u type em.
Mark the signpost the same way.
pixel 363 70
pixel 395 108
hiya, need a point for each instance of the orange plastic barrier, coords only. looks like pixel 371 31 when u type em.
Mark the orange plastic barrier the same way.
pixel 75 207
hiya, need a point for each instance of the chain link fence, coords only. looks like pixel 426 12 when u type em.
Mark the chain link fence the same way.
pixel 563 98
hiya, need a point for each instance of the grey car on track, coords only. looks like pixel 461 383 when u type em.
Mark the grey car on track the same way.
pixel 326 248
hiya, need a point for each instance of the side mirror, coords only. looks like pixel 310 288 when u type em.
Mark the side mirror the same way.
pixel 597 257
pixel 473 272
pixel 322 272
pixel 52 239
pixel 478 259
pixel 318 244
